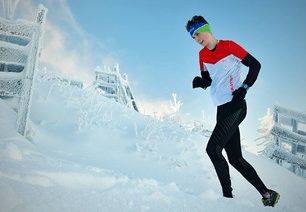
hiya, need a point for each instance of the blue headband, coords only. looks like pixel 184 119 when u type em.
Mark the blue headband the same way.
pixel 195 27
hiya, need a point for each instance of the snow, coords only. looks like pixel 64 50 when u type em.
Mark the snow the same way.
pixel 84 152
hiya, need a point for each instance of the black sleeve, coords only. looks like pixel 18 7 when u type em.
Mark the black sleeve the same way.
pixel 254 67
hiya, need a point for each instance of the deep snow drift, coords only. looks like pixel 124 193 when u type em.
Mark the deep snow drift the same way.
pixel 86 153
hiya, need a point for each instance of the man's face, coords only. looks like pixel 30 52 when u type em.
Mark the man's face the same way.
pixel 202 38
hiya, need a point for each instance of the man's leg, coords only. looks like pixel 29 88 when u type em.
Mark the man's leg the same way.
pixel 215 153
pixel 234 154
pixel 235 158
pixel 227 122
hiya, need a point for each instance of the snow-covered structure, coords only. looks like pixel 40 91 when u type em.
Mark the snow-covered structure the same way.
pixel 112 84
pixel 288 135
pixel 20 47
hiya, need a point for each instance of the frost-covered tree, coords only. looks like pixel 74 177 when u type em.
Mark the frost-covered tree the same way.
pixel 265 126
pixel 175 104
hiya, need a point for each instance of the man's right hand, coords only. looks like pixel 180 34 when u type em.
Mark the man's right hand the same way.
pixel 198 82
pixel 201 82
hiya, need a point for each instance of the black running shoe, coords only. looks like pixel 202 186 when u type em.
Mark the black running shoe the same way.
pixel 272 200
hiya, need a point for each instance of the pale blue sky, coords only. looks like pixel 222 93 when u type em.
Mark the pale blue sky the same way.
pixel 148 40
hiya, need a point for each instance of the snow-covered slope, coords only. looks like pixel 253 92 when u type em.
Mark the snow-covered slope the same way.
pixel 86 153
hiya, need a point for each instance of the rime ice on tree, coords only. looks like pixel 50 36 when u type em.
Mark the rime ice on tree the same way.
pixel 20 46
pixel 114 85
pixel 288 136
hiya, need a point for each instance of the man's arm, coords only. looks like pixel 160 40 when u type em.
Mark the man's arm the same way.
pixel 254 67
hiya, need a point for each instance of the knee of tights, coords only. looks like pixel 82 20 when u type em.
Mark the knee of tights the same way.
pixel 214 152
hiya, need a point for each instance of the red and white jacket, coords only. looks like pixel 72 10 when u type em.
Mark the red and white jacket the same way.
pixel 224 66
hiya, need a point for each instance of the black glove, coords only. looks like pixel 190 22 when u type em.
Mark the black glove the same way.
pixel 198 82
pixel 203 82
pixel 239 94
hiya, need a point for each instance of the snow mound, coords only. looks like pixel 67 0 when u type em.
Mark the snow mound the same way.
pixel 84 152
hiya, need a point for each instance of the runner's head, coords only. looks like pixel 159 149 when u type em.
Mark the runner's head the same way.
pixel 197 24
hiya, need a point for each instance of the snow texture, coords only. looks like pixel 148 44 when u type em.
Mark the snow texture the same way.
pixel 84 152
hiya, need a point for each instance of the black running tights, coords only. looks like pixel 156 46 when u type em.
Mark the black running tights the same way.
pixel 226 136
